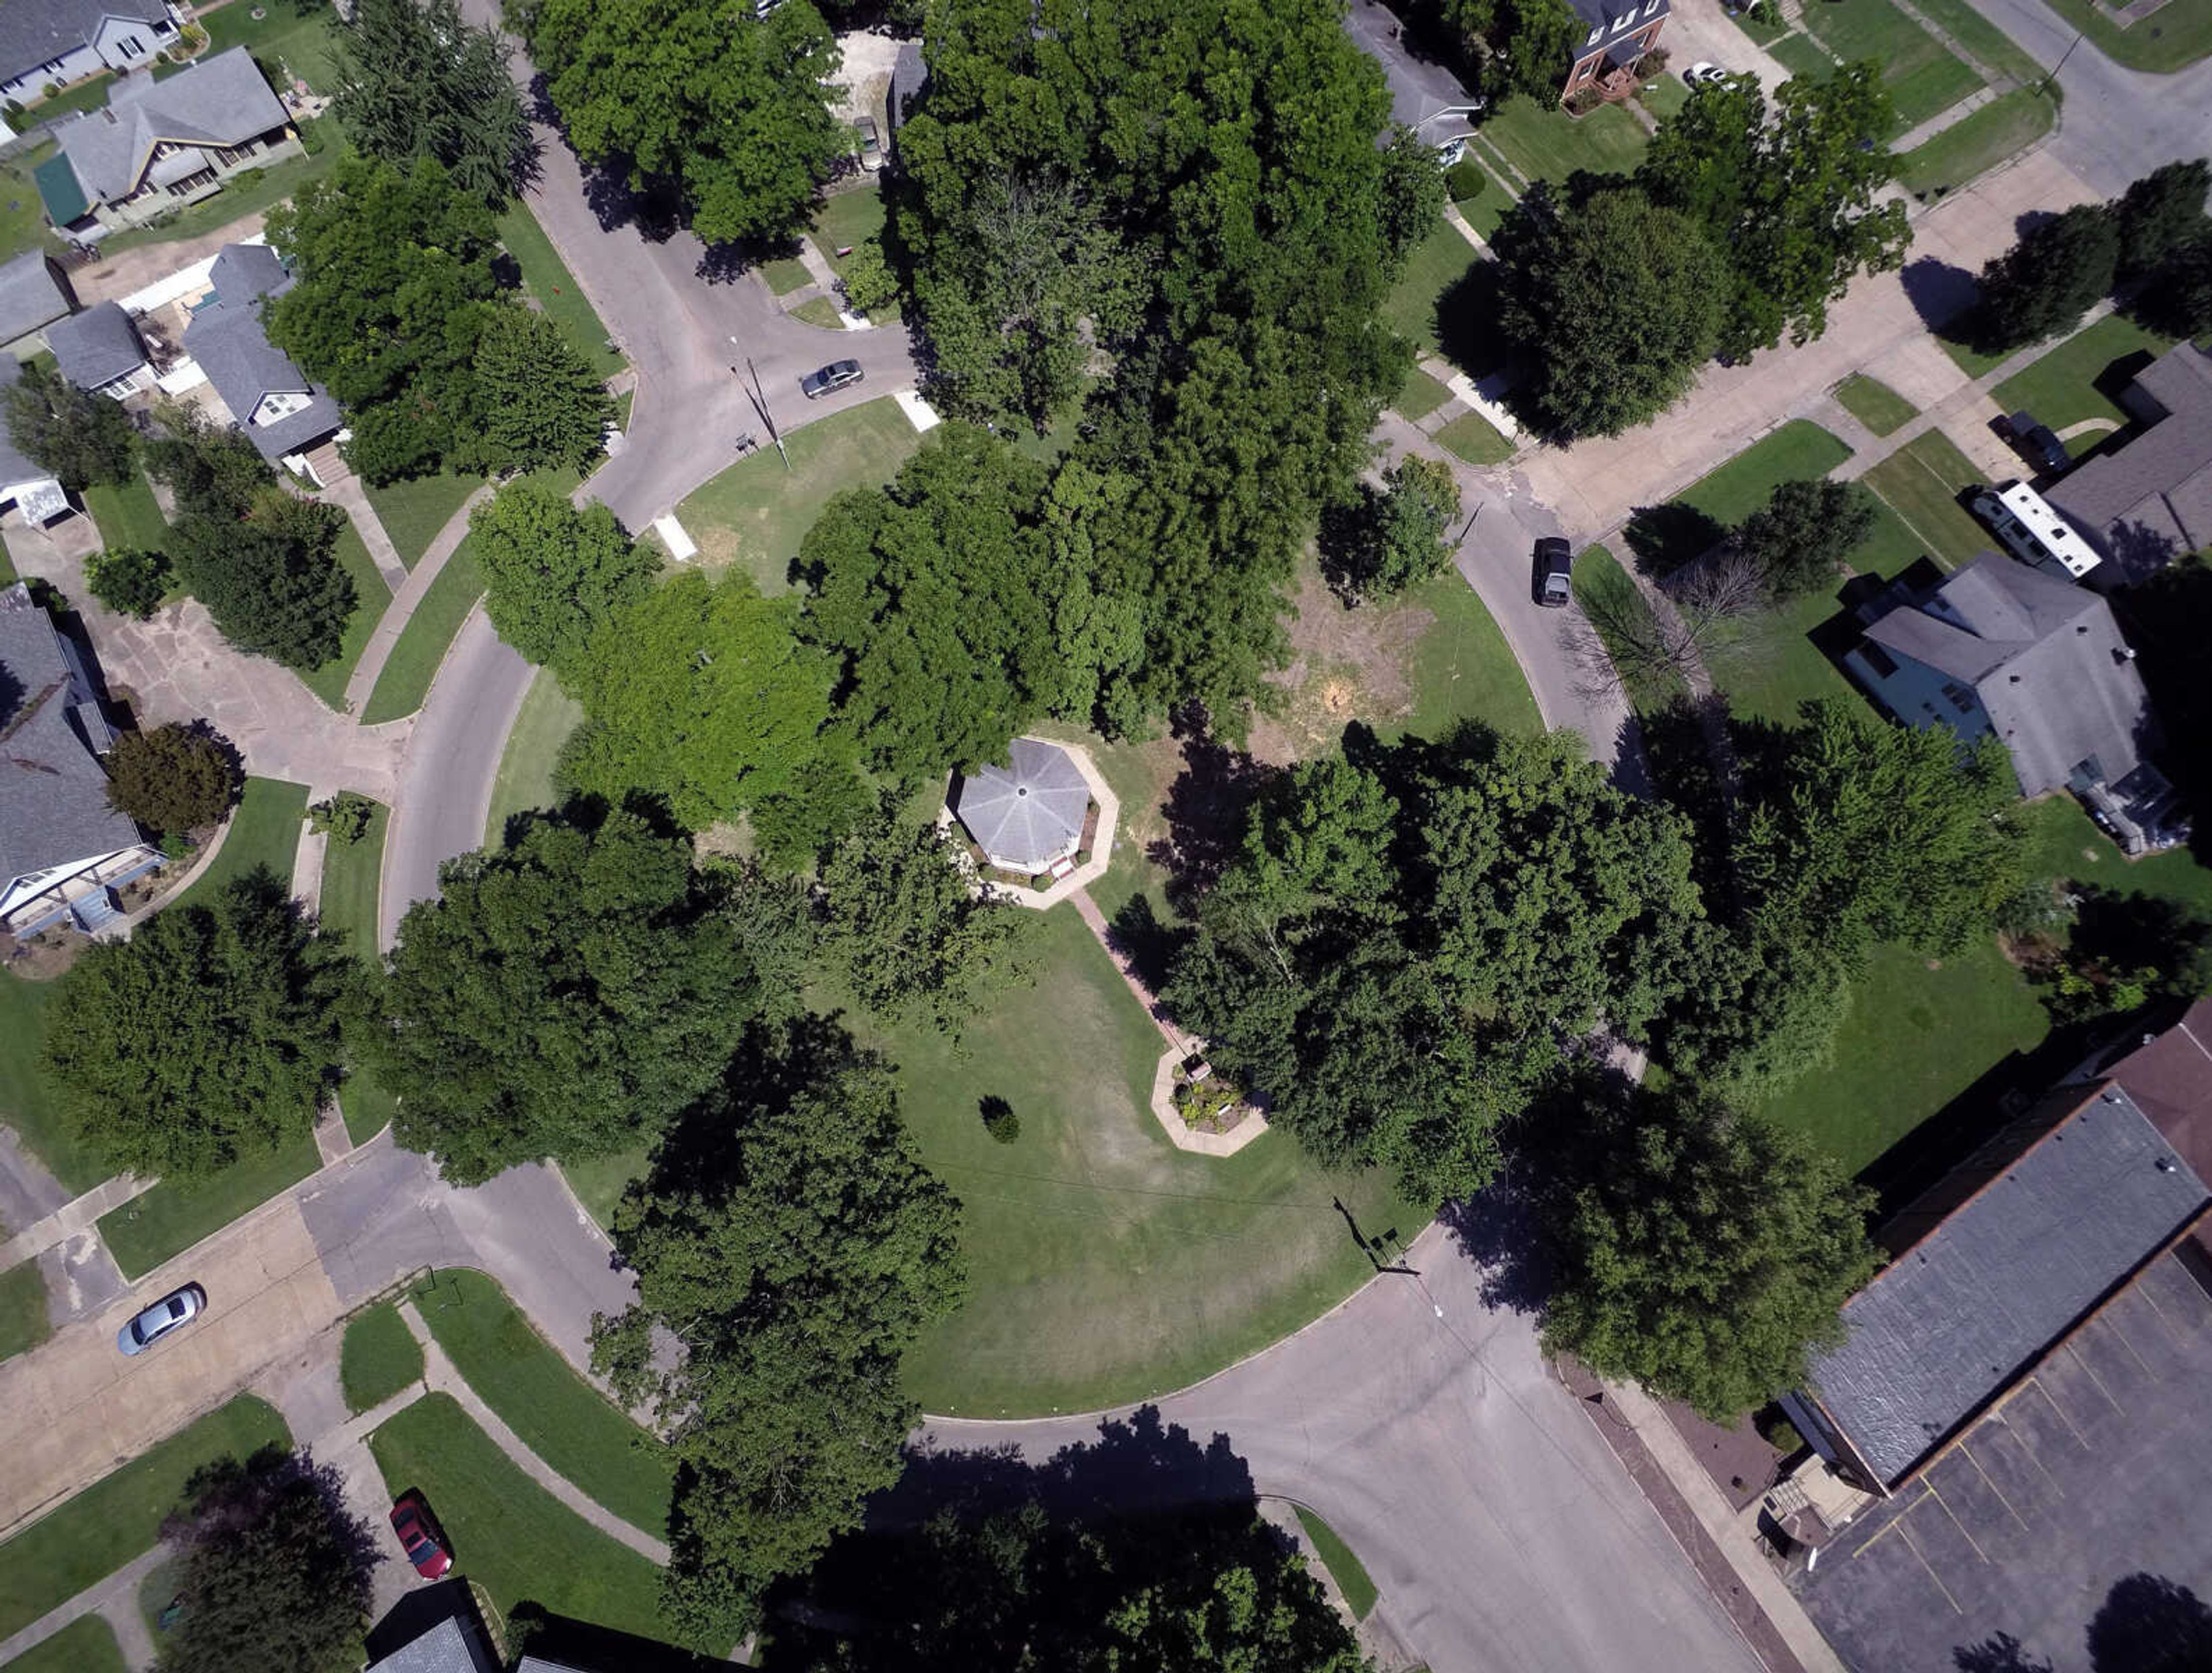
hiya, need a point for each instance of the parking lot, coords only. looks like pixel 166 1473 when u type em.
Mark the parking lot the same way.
pixel 2090 1471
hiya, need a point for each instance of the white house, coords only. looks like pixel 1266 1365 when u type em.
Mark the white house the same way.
pixel 46 43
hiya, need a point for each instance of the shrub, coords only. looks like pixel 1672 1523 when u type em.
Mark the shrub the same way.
pixel 1464 180
pixel 1042 881
pixel 869 282
pixel 999 1120
pixel 130 583
pixel 246 177
pixel 173 778
pixel 344 818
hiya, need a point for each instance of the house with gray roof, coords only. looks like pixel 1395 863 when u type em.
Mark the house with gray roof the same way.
pixel 32 295
pixel 99 351
pixel 2149 500
pixel 282 412
pixel 1999 649
pixel 1993 1267
pixel 52 43
pixel 63 849
pixel 34 492
pixel 1425 95
pixel 1028 815
pixel 158 145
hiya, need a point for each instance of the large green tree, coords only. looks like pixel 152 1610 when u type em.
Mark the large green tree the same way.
pixel 553 574
pixel 1801 536
pixel 172 778
pixel 2055 273
pixel 273 1570
pixel 539 405
pixel 727 107
pixel 566 995
pixel 212 1035
pixel 269 575
pixel 412 80
pixel 80 437
pixel 2162 214
pixel 791 1238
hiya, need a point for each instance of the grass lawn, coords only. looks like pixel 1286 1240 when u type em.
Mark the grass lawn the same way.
pixel 1463 669
pixel 264 830
pixel 846 218
pixel 1340 1560
pixel 1432 267
pixel 380 1357
pixel 1995 49
pixel 1979 141
pixel 2065 843
pixel 547 715
pixel 1473 438
pixel 1545 143
pixel 1923 76
pixel 1874 404
pixel 413 512
pixel 128 518
pixel 421 645
pixel 88 1537
pixel 372 594
pixel 599 1183
pixel 819 311
pixel 366 1106
pixel 27 1101
pixel 509 1535
pixel 170 1218
pixel 88 94
pixel 1663 95
pixel 2178 33
pixel 1419 396
pixel 87 1644
pixel 756 513
pixel 1765 34
pixel 785 274
pixel 2070 383
pixel 1922 482
pixel 24 226
pixel 1484 212
pixel 300 36
pixel 351 871
pixel 1605 593
pixel 23 1321
pixel 1800 55
pixel 242 198
pixel 558 1414
pixel 547 278
pixel 1799 451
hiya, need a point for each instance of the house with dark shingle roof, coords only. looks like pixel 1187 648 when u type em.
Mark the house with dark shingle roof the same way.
pixel 33 295
pixel 282 412
pixel 158 145
pixel 1999 649
pixel 2149 500
pixel 34 492
pixel 63 849
pixel 99 351
pixel 52 43
pixel 1425 95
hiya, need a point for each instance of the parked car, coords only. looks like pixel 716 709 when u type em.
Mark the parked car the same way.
pixel 1705 73
pixel 872 150
pixel 172 1313
pixel 2038 444
pixel 1555 570
pixel 421 1537
pixel 838 374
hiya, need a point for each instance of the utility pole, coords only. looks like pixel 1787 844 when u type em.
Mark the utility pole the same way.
pixel 2044 86
pixel 760 405
pixel 1469 530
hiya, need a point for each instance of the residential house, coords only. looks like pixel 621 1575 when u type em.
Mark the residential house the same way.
pixel 282 413
pixel 32 295
pixel 34 492
pixel 909 76
pixel 1997 649
pixel 51 43
pixel 63 849
pixel 1620 31
pixel 1424 96
pixel 2168 1071
pixel 100 350
pixel 2149 500
pixel 161 145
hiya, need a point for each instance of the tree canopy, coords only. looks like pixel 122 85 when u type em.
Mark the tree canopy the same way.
pixel 81 438
pixel 538 401
pixel 412 80
pixel 213 1033
pixel 2055 272
pixel 1801 536
pixel 553 575
pixel 172 778
pixel 566 995
pixel 1395 538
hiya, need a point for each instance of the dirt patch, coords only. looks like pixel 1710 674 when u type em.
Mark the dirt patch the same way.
pixel 1345 664
pixel 43 957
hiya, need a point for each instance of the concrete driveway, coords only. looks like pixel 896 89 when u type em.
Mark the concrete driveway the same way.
pixel 1698 31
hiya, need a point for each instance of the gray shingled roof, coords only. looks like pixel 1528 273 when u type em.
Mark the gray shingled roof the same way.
pixel 1029 810
pixel 97 347
pixel 2045 658
pixel 219 100
pixel 447 1647
pixel 227 339
pixel 243 272
pixel 1600 13
pixel 32 31
pixel 2151 498
pixel 1421 91
pixel 30 295
pixel 1954 1318
pixel 909 76
pixel 53 791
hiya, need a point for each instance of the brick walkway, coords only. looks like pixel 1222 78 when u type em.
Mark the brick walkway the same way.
pixel 1087 910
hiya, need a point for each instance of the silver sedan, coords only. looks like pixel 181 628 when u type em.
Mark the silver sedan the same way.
pixel 173 1312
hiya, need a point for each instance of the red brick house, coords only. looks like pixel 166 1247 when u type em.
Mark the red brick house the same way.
pixel 1617 34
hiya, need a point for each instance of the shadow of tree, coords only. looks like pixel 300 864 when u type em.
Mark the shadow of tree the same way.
pixel 1204 810
pixel 2149 1624
pixel 1939 293
pixel 2000 1653
pixel 1666 537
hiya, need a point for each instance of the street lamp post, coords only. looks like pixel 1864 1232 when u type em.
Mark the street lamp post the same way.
pixel 759 398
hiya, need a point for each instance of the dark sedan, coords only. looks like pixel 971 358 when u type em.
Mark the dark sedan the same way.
pixel 1555 570
pixel 826 380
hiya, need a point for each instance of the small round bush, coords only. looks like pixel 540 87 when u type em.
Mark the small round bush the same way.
pixel 172 778
pixel 999 1120
pixel 1464 180
pixel 129 583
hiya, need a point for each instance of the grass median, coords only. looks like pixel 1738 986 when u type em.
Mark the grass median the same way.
pixel 524 781
pixel 413 512
pixel 422 643
pixel 170 1218
pixel 87 1644
pixel 23 1321
pixel 1342 1561
pixel 372 596
pixel 265 831
pixel 377 1358
pixel 352 875
pixel 1977 142
pixel 547 278
pixel 1874 404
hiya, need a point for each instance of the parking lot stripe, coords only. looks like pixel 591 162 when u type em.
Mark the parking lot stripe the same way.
pixel 2074 1352
pixel 2112 1325
pixel 2049 1400
pixel 1936 1494
pixel 1994 1488
pixel 1932 1574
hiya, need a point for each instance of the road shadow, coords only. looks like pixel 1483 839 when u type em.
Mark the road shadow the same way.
pixel 1498 1229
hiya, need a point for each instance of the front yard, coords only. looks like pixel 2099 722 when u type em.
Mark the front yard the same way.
pixel 1924 78
pixel 2080 380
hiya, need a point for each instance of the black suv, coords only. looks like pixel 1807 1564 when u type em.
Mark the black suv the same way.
pixel 1555 569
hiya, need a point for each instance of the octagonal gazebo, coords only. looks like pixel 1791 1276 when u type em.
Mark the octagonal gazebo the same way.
pixel 1027 815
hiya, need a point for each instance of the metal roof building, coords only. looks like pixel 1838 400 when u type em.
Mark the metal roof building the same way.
pixel 1027 814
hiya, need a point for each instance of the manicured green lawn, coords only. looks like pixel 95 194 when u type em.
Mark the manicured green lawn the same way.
pixel 559 1415
pixel 1800 55
pixel 547 278
pixel 170 1218
pixel 88 1537
pixel 1765 34
pixel 820 313
pixel 1475 440
pixel 844 219
pixel 129 519
pixel 1923 76
pixel 1663 95
pixel 422 643
pixel 1463 669
pixel 366 1106
pixel 1545 143
pixel 756 513
pixel 2076 380
pixel 1922 482
pixel 379 1357
pixel 1484 212
pixel 351 873
pixel 1799 451
pixel 1606 595
pixel 89 94
pixel 509 1535
pixel 1874 404
pixel 1432 267
pixel 242 198
pixel 1979 141
pixel 23 1321
pixel 1996 50
pixel 1342 1561
pixel 298 36
pixel 264 830
pixel 372 595
pixel 1419 396
pixel 600 1182
pixel 413 512
pixel 785 274
pixel 547 715
pixel 2065 843
pixel 2178 33
pixel 24 226
pixel 87 1644
pixel 27 1101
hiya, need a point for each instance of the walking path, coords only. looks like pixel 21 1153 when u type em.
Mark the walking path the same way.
pixel 347 493
pixel 405 598
pixel 116 1597
pixel 72 1219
